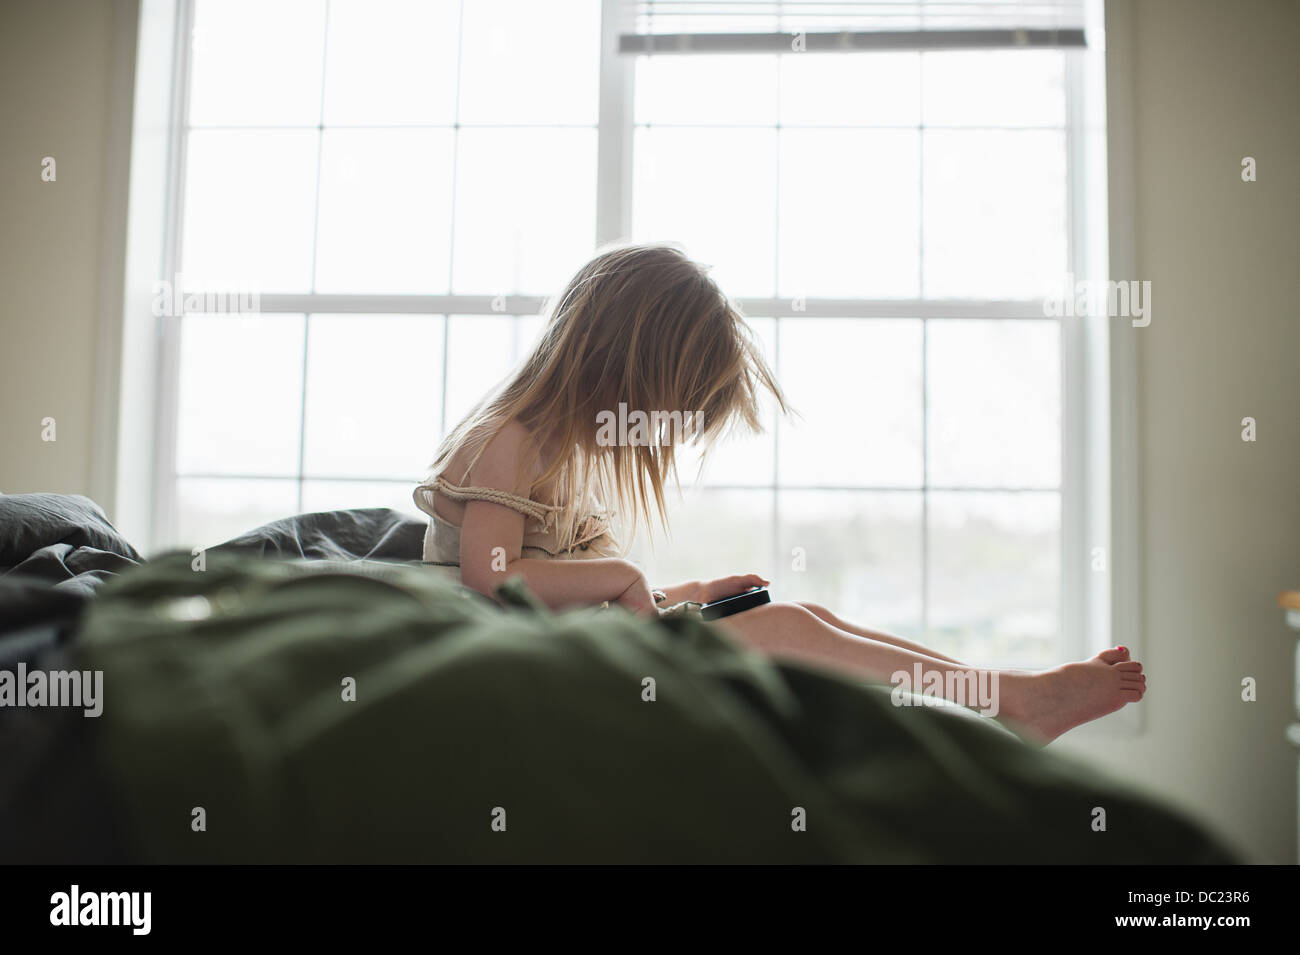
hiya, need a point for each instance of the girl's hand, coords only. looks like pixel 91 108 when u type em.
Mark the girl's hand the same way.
pixel 711 590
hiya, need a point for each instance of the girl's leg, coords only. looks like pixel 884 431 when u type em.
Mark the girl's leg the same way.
pixel 1040 706
pixel 840 624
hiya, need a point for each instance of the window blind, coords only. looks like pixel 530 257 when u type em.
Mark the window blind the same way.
pixel 777 26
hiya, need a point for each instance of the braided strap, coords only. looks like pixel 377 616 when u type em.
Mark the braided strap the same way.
pixel 537 511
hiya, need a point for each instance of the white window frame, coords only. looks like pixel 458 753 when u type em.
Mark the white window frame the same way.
pixel 1099 431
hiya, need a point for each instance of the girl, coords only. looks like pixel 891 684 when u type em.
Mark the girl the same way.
pixel 527 484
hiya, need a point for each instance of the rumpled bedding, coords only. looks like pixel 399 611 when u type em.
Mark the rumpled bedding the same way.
pixel 315 695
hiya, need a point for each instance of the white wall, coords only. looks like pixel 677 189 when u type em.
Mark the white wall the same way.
pixel 54 68
pixel 1214 82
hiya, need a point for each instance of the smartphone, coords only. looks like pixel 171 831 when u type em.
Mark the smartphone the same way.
pixel 736 603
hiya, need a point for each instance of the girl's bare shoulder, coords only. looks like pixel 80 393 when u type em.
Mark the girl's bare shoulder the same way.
pixel 508 461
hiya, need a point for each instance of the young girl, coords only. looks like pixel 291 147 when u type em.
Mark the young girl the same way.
pixel 527 484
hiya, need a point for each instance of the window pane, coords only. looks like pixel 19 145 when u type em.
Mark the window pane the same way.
pixel 857 385
pixel 850 213
pixel 528 330
pixel 392 62
pixel 480 352
pixel 992 88
pixel 994 575
pixel 526 62
pixel 994 403
pixel 703 89
pixel 349 495
pixel 240 394
pixel 213 510
pixel 851 89
pixel 525 208
pixel 249 209
pixel 714 534
pixel 385 209
pixel 374 391
pixel 714 191
pixel 994 213
pixel 740 458
pixel 257 62
pixel 860 552
pixel 680 18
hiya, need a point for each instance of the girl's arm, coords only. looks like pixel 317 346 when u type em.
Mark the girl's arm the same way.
pixel 679 592
pixel 710 590
pixel 561 584
pixel 492 535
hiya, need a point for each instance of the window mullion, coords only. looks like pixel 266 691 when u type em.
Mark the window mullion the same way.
pixel 1075 552
pixel 315 248
pixel 165 496
pixel 614 129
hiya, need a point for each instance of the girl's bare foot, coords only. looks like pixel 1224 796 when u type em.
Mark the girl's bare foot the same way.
pixel 1041 706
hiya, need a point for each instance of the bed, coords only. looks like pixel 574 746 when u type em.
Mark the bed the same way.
pixel 309 693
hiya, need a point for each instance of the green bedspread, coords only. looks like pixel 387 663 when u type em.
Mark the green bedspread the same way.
pixel 482 734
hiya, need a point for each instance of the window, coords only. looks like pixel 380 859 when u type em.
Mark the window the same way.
pixel 337 155
pixel 938 511
pixel 404 183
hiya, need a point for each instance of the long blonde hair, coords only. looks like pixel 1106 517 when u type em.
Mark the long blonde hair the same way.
pixel 642 325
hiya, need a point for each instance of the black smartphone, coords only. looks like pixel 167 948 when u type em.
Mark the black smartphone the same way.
pixel 735 604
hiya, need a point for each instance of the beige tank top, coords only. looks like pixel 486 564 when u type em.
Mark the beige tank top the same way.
pixel 541 539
